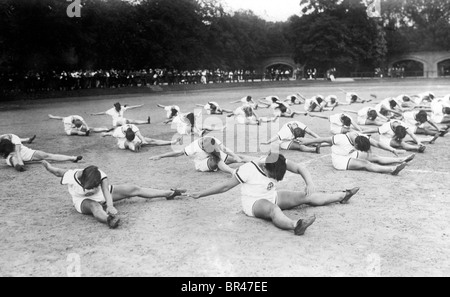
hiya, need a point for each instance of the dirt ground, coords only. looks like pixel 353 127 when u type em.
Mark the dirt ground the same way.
pixel 395 226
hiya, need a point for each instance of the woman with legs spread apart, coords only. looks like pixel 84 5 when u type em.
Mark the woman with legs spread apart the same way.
pixel 76 125
pixel 129 137
pixel 117 114
pixel 261 199
pixel 91 192
pixel 16 154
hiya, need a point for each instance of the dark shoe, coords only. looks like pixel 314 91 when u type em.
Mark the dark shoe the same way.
pixel 77 159
pixel 176 192
pixel 399 168
pixel 301 226
pixel 433 140
pixel 19 168
pixel 443 133
pixel 410 158
pixel 422 148
pixel 112 221
pixel 349 194
pixel 32 139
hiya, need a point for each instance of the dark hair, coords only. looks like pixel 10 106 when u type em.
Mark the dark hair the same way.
pixel 78 123
pixel 117 106
pixel 354 98
pixel 446 110
pixel 346 121
pixel 333 99
pixel 90 178
pixel 281 107
pixel 400 132
pixel 319 99
pixel 212 106
pixel 6 147
pixel 293 99
pixel 274 99
pixel 392 103
pixel 298 132
pixel 129 134
pixel 248 111
pixel 249 98
pixel 372 114
pixel 362 143
pixel 210 148
pixel 406 98
pixel 276 166
pixel 190 116
pixel 174 112
pixel 422 116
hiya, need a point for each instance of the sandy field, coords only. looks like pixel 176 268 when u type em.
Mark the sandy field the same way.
pixel 395 226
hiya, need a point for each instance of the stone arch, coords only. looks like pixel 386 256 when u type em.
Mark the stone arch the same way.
pixel 444 67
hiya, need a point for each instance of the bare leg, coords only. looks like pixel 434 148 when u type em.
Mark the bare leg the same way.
pixel 40 155
pixel 386 160
pixel 101 129
pixel 90 207
pixel 359 164
pixel 266 210
pixel 121 192
pixel 157 142
pixel 303 148
pixel 291 199
pixel 138 122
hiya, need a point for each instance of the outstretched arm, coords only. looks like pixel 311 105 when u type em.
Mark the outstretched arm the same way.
pixel 310 132
pixel 55 117
pixel 385 147
pixel 108 197
pixel 168 121
pixel 270 140
pixel 135 106
pixel 301 169
pixel 167 155
pixel 58 172
pixel 98 113
pixel 317 116
pixel 265 104
pixel 413 136
pixel 309 141
pixel 222 188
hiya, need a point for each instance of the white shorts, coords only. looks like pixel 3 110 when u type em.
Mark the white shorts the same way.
pixel 77 201
pixel 131 145
pixel 26 154
pixel 441 119
pixel 120 122
pixel 242 120
pixel 341 162
pixel 202 165
pixel 248 202
pixel 361 120
pixel 286 145
pixel 385 140
pixel 335 129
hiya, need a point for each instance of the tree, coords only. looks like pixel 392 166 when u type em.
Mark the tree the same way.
pixel 337 34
